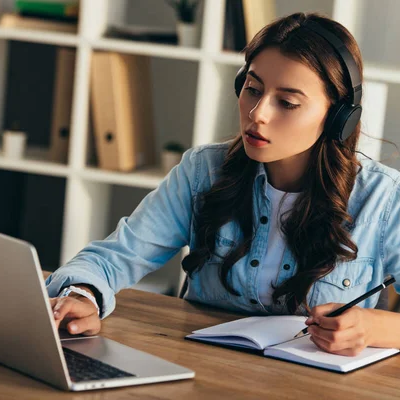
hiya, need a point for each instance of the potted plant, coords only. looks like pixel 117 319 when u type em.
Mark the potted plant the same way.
pixel 171 155
pixel 186 26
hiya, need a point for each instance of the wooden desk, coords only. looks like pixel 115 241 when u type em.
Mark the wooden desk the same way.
pixel 158 324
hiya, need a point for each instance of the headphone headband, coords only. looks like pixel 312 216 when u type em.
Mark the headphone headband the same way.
pixel 347 59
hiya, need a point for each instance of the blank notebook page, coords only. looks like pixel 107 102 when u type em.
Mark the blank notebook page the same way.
pixel 265 331
pixel 305 351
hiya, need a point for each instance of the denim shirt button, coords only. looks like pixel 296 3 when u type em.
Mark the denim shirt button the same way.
pixel 346 282
pixel 252 301
pixel 286 267
pixel 264 219
pixel 254 263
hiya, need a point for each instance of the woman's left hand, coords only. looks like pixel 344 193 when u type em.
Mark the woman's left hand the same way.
pixel 347 334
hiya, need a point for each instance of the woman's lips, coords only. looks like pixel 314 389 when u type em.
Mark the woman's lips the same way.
pixel 256 142
pixel 256 135
pixel 255 139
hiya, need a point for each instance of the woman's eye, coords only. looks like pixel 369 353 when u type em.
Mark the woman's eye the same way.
pixel 252 91
pixel 288 105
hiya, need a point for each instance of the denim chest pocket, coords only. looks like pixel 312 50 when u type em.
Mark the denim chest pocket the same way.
pixel 206 282
pixel 349 280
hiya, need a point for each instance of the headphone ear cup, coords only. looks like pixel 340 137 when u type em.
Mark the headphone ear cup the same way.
pixel 330 120
pixel 240 80
pixel 342 120
pixel 349 118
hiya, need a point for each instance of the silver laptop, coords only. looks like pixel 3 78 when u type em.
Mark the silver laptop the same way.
pixel 30 342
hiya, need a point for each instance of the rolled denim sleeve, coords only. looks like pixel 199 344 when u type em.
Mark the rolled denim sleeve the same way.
pixel 143 242
pixel 390 236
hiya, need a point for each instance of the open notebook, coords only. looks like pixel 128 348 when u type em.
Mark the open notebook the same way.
pixel 273 335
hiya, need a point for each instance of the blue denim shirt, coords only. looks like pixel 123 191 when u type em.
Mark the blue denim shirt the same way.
pixel 163 223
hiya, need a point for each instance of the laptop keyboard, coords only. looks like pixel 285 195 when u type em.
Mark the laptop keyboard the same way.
pixel 84 368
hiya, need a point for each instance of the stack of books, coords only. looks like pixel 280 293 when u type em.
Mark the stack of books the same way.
pixel 43 15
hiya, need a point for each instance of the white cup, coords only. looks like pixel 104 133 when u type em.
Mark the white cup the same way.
pixel 14 143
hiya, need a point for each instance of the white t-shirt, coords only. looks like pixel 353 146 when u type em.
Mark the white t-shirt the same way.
pixel 276 243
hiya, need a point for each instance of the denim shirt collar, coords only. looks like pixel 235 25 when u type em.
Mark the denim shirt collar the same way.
pixel 261 177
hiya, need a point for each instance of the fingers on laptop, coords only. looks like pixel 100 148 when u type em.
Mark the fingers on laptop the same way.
pixel 74 311
pixel 87 326
pixel 74 307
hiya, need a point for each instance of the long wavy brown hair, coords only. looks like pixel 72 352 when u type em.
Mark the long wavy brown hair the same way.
pixel 316 229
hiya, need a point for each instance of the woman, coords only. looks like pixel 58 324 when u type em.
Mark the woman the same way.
pixel 281 219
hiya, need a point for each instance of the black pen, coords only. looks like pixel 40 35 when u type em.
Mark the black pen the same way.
pixel 352 303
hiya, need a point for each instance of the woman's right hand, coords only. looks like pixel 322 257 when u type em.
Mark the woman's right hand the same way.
pixel 77 314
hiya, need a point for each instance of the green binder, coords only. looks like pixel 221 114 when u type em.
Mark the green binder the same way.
pixel 50 9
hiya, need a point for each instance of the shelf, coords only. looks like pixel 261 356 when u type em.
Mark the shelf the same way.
pixel 37 36
pixel 228 57
pixel 35 162
pixel 147 48
pixel 148 178
pixel 382 73
pixel 373 72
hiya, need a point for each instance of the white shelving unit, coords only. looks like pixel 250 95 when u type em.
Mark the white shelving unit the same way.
pixel 211 107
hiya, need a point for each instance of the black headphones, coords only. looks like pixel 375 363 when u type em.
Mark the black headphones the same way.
pixel 345 114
